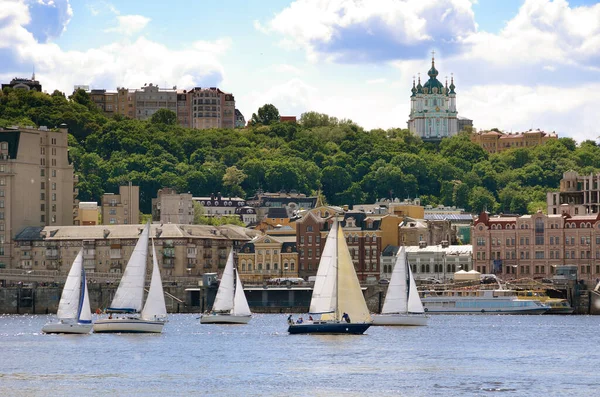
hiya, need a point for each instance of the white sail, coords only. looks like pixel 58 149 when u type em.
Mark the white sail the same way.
pixel 240 303
pixel 130 293
pixel 155 307
pixel 224 298
pixel 68 307
pixel 414 302
pixel 396 299
pixel 350 296
pixel 324 291
pixel 85 313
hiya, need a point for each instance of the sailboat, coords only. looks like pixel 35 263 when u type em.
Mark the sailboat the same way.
pixel 337 300
pixel 74 307
pixel 130 294
pixel 402 305
pixel 231 306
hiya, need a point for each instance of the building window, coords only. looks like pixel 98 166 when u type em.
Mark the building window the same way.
pixel 53 196
pixel 43 218
pixel 53 185
pixel 2 181
pixel 54 173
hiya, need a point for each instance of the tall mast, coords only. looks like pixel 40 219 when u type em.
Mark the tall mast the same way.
pixel 337 269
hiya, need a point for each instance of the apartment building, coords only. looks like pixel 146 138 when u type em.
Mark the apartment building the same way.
pixel 122 208
pixel 172 207
pixel 216 204
pixel 293 203
pixel 495 142
pixel 151 98
pixel 87 213
pixel 184 109
pixel 267 257
pixel 211 108
pixel 106 101
pixel 577 195
pixel 533 246
pixel 36 183
pixel 182 250
pixel 363 236
pixel 240 121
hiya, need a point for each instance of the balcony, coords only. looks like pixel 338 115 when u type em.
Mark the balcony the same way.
pixel 52 254
pixel 167 253
pixel 168 264
pixel 89 253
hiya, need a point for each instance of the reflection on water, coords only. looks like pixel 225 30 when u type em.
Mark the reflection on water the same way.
pixel 453 356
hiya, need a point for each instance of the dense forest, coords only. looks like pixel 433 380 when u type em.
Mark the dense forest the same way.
pixel 348 164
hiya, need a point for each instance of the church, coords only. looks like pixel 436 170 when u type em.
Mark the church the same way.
pixel 433 114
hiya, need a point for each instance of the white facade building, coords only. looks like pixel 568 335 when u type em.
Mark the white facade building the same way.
pixel 433 112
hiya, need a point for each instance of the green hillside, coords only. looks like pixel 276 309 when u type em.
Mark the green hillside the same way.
pixel 347 163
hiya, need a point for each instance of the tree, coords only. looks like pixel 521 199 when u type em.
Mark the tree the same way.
pixel 164 116
pixel 267 114
pixel 481 199
pixel 316 119
pixel 232 180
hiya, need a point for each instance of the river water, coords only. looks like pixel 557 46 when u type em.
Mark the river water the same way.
pixel 453 356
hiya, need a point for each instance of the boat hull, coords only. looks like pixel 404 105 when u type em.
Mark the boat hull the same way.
pixel 224 319
pixel 67 328
pixel 127 325
pixel 535 310
pixel 328 328
pixel 400 319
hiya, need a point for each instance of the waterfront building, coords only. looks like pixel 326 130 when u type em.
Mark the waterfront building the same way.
pixel 433 113
pixel 439 262
pixel 363 237
pixel 267 257
pixel 122 208
pixel 87 213
pixel 240 121
pixel 182 250
pixel 416 232
pixel 533 246
pixel 172 207
pixel 36 183
pixel 496 142
pixel 19 83
pixel 577 195
pixel 211 108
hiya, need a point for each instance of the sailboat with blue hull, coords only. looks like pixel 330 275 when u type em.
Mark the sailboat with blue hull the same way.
pixel 337 304
pixel 74 314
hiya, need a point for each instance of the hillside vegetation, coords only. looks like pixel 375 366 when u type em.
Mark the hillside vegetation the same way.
pixel 348 164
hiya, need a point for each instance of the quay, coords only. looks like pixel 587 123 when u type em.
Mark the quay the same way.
pixel 36 293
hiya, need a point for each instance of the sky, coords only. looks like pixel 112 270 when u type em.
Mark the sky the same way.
pixel 517 64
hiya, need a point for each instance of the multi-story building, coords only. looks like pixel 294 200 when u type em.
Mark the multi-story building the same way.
pixel 171 207
pixel 211 108
pixel 36 182
pixel 217 205
pixel 126 102
pixel 433 113
pixel 183 109
pixel 267 257
pixel 240 121
pixel 182 250
pixel 533 246
pixel 577 195
pixel 495 142
pixel 430 232
pixel 439 261
pixel 151 98
pixel 122 208
pixel 292 202
pixel 362 233
pixel 24 84
pixel 464 124
pixel 106 101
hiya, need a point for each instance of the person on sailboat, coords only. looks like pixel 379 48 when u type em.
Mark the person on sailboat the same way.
pixel 346 317
pixel 290 320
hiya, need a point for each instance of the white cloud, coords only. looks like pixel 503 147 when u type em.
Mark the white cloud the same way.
pixel 356 31
pixel 376 81
pixel 218 46
pixel 549 68
pixel 129 25
pixel 123 63
pixel 286 69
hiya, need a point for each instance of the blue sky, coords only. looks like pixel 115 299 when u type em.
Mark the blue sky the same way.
pixel 518 64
